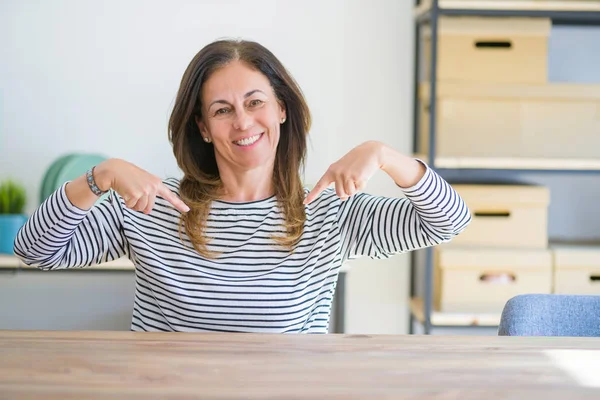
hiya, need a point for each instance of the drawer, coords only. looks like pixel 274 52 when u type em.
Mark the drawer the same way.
pixel 484 49
pixel 576 269
pixel 513 121
pixel 483 280
pixel 505 215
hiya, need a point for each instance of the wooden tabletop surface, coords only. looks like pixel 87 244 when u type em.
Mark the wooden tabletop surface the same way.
pixel 129 365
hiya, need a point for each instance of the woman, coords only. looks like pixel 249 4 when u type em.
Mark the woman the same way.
pixel 238 244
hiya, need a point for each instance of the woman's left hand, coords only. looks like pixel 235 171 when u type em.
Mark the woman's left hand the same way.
pixel 351 172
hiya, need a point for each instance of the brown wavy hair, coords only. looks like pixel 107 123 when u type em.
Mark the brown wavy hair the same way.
pixel 201 183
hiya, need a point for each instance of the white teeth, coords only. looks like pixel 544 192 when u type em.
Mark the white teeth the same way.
pixel 247 141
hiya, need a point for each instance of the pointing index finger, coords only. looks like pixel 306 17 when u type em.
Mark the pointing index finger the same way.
pixel 172 198
pixel 319 187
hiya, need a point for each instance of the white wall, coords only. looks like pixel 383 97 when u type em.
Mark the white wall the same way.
pixel 101 76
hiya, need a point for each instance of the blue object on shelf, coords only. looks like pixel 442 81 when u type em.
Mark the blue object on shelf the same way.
pixel 9 227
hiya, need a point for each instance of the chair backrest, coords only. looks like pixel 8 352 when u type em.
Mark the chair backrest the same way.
pixel 551 315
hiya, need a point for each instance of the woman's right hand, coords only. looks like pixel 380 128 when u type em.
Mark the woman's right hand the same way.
pixel 137 187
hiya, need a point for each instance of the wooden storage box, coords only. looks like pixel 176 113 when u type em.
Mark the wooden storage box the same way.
pixel 484 49
pixel 576 269
pixel 505 215
pixel 483 280
pixel 559 121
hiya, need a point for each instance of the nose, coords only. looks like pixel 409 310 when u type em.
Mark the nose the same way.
pixel 243 120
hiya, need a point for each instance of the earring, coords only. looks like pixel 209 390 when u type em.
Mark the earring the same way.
pixel 282 120
pixel 207 139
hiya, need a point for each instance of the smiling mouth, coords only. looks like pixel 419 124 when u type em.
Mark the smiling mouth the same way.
pixel 249 141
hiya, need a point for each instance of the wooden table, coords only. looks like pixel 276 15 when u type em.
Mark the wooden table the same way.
pixel 128 365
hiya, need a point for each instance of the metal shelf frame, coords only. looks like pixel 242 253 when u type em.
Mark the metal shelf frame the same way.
pixel 430 17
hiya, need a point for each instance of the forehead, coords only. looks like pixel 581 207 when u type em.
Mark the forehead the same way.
pixel 232 80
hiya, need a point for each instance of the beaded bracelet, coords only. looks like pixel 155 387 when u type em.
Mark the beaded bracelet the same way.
pixel 89 176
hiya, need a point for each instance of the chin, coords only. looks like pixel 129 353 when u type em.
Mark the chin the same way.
pixel 256 162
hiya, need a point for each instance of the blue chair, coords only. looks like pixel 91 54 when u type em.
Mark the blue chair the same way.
pixel 551 315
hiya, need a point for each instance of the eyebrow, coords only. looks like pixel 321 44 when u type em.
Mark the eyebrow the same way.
pixel 250 93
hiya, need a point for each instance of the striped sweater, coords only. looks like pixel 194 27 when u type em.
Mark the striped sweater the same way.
pixel 253 285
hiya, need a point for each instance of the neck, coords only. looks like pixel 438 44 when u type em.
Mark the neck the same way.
pixel 246 186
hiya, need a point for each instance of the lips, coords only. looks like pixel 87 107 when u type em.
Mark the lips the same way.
pixel 248 141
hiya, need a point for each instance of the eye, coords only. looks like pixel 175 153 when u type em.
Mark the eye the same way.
pixel 221 111
pixel 255 103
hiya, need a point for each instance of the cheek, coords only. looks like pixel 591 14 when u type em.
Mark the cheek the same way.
pixel 271 119
pixel 218 129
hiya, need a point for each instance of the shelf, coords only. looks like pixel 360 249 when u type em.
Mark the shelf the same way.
pixel 429 14
pixel 121 264
pixel 519 91
pixel 516 163
pixel 561 12
pixel 453 319
pixel 514 5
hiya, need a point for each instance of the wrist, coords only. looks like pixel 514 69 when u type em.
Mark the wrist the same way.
pixel 103 176
pixel 388 157
pixel 404 170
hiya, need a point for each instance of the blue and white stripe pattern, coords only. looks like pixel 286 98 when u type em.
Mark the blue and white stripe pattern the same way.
pixel 253 285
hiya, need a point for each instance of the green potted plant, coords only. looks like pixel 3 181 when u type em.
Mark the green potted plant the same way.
pixel 12 217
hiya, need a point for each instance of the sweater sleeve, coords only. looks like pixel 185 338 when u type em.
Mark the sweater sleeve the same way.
pixel 431 213
pixel 59 235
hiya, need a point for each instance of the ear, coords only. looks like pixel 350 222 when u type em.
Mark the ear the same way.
pixel 201 127
pixel 200 124
pixel 282 113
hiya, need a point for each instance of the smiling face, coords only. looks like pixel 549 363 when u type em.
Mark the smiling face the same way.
pixel 241 116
